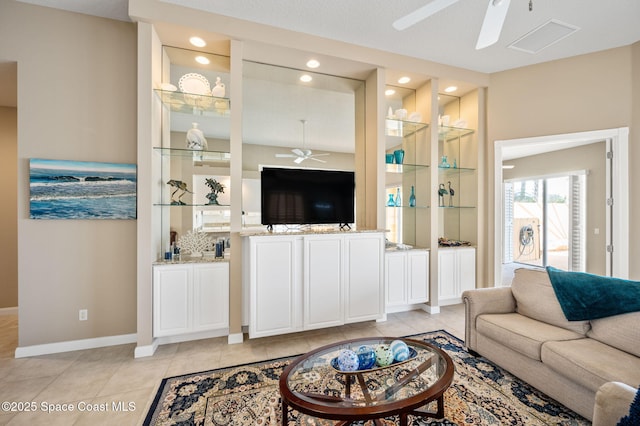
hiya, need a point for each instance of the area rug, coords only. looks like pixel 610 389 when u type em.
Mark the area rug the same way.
pixel 247 395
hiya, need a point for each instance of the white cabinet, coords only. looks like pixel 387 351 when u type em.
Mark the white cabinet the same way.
pixel 323 281
pixel 364 285
pixel 456 273
pixel 190 298
pixel 313 281
pixel 406 279
pixel 274 290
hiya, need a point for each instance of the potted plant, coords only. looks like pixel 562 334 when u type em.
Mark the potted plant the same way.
pixel 216 188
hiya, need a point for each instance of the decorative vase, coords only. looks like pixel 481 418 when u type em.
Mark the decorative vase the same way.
pixel 391 202
pixel 412 198
pixel 195 138
pixel 399 155
pixel 444 163
pixel 389 158
pixel 218 90
pixel 398 201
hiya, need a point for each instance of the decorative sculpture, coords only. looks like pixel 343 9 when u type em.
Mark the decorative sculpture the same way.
pixel 195 138
pixel 218 90
pixel 216 188
pixel 195 243
pixel 451 193
pixel 442 191
pixel 179 186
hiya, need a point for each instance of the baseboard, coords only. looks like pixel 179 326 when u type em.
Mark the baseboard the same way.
pixel 235 338
pixel 146 350
pixel 431 309
pixel 74 345
pixel 9 311
pixel 179 338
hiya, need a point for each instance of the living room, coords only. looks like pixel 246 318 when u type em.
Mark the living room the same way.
pixel 77 99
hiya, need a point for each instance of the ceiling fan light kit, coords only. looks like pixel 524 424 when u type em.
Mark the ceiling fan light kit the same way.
pixel 301 154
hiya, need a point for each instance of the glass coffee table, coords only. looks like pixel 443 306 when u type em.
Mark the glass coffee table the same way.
pixel 312 384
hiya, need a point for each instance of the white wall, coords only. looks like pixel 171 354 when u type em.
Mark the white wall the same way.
pixel 76 101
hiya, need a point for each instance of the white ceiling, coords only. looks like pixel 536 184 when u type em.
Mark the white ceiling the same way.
pixel 449 37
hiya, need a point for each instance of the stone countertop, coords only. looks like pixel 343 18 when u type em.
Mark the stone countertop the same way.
pixel 184 259
pixel 308 231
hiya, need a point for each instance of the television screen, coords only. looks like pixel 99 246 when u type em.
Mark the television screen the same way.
pixel 306 196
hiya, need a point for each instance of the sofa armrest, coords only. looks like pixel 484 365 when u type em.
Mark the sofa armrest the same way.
pixel 496 300
pixel 613 400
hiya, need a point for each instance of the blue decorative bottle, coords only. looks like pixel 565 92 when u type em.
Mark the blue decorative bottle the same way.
pixel 412 198
pixel 391 202
pixel 398 201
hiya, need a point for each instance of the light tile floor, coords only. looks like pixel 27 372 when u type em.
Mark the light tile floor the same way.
pixel 93 382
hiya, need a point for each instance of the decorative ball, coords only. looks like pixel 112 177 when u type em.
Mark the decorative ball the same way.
pixel 366 357
pixel 384 355
pixel 400 350
pixel 348 360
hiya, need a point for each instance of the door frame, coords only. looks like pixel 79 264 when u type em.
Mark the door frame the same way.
pixel 617 189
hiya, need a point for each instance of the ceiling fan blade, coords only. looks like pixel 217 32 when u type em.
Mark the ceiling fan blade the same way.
pixel 493 22
pixel 285 155
pixel 317 159
pixel 320 155
pixel 298 152
pixel 421 13
pixel 299 160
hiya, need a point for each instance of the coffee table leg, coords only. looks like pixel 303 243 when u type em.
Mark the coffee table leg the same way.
pixel 440 413
pixel 403 419
pixel 285 414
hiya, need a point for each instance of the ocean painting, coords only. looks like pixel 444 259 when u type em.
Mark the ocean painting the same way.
pixel 62 189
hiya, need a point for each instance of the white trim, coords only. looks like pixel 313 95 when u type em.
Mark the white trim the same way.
pixel 74 345
pixel 235 338
pixel 147 350
pixel 179 338
pixel 9 311
pixel 431 309
pixel 620 190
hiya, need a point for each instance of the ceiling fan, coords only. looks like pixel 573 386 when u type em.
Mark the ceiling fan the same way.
pixel 491 26
pixel 301 154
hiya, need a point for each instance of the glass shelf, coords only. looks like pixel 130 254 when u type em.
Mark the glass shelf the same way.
pixel 407 207
pixel 454 170
pixel 195 104
pixel 404 168
pixel 196 155
pixel 401 128
pixel 219 206
pixel 456 207
pixel 447 133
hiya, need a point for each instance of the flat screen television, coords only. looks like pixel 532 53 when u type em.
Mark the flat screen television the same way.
pixel 306 196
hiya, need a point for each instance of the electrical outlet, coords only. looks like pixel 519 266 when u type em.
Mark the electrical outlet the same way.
pixel 83 314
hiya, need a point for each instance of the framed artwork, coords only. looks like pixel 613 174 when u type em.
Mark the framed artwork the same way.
pixel 62 189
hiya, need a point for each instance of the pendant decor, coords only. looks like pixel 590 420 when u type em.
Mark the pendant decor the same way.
pixel 216 188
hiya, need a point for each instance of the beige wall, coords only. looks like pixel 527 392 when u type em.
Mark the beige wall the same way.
pixel 8 213
pixel 588 92
pixel 587 157
pixel 76 101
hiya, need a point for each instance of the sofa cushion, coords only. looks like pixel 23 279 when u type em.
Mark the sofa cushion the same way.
pixel 536 299
pixel 521 333
pixel 591 363
pixel 619 331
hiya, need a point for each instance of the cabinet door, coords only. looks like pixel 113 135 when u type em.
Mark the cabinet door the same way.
pixel 447 274
pixel 210 296
pixel 364 285
pixel 395 278
pixel 323 278
pixel 417 277
pixel 274 286
pixel 466 258
pixel 171 300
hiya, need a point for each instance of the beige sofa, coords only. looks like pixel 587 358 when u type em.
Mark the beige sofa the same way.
pixel 523 329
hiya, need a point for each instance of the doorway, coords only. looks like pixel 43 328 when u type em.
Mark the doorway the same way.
pixel 616 239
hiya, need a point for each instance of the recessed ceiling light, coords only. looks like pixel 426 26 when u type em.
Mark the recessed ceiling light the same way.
pixel 202 60
pixel 312 63
pixel 197 41
pixel 389 92
pixel 404 80
pixel 305 78
pixel 451 89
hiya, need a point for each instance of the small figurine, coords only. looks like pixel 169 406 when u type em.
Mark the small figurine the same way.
pixel 442 191
pixel 180 186
pixel 216 188
pixel 195 138
pixel 451 193
pixel 218 90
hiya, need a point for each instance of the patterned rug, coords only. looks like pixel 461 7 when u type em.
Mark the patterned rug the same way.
pixel 247 395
